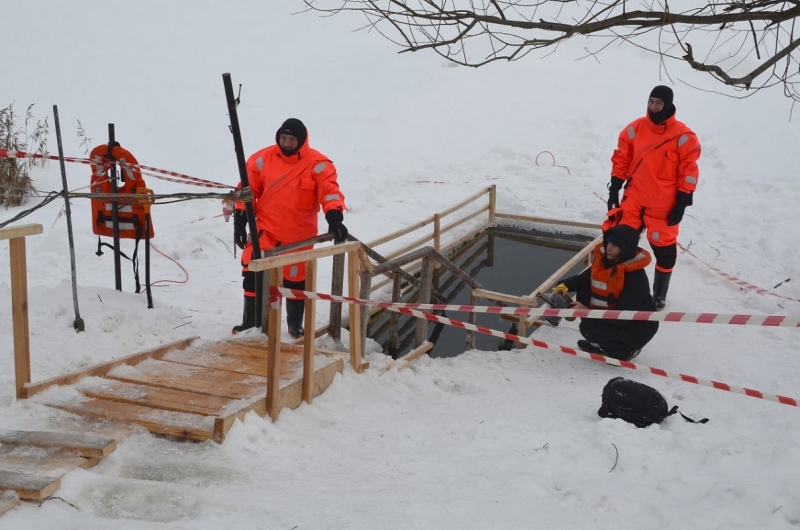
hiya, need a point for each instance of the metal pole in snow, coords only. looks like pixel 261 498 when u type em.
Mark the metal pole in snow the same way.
pixel 78 323
pixel 114 207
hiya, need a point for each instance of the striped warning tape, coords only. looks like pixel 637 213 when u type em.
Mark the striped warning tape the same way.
pixel 695 318
pixel 560 349
pixel 741 283
pixel 155 172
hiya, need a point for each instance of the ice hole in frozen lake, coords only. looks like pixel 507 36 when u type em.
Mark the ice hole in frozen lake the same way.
pixel 503 259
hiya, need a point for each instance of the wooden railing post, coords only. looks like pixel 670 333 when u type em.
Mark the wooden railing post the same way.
pixel 394 317
pixel 473 300
pixel 310 325
pixel 425 281
pixel 437 235
pixel 363 293
pixel 19 301
pixel 273 344
pixel 265 282
pixel 492 203
pixel 337 287
pixel 353 265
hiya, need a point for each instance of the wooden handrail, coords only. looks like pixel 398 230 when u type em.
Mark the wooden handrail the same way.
pixel 465 202
pixel 296 257
pixel 545 220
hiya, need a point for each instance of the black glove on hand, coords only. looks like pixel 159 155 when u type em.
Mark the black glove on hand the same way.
pixel 335 226
pixel 240 228
pixel 613 192
pixel 682 200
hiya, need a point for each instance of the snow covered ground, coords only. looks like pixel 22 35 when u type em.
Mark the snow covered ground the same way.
pixel 484 440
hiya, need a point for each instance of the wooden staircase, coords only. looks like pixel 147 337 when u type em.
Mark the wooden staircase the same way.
pixel 187 389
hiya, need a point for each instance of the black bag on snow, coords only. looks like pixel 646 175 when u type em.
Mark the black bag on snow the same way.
pixel 634 402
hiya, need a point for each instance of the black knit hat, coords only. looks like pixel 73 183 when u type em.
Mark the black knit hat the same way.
pixel 293 127
pixel 664 93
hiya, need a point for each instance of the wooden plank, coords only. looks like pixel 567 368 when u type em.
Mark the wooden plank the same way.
pixel 424 297
pixel 102 369
pixel 400 233
pixel 238 410
pixel 464 219
pixel 254 348
pixel 337 286
pixel 354 311
pixel 544 220
pixel 465 202
pixel 13 232
pixel 179 424
pixel 225 420
pixel 84 444
pixel 21 459
pixel 19 315
pixel 424 348
pixel 27 486
pixel 296 257
pixel 492 203
pixel 229 362
pixel 199 380
pixel 510 298
pixel 153 396
pixel 274 356
pixel 308 339
pixel 8 502
pixel 411 246
pixel 291 396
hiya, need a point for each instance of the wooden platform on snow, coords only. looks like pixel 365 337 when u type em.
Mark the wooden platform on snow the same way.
pixel 187 388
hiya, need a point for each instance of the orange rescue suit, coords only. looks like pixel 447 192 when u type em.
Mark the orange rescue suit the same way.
pixel 657 161
pixel 288 192
pixel 607 283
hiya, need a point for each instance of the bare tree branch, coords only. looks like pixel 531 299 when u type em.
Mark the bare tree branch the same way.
pixel 740 42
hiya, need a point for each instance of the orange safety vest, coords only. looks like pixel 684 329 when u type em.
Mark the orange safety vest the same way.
pixel 607 283
pixel 131 212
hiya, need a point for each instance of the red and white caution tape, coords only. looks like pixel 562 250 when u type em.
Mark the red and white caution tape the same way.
pixel 155 172
pixel 741 283
pixel 560 349
pixel 695 318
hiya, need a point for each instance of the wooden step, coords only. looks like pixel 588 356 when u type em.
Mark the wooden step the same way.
pixel 23 459
pixel 31 487
pixel 8 501
pixel 83 444
pixel 230 362
pixel 153 396
pixel 177 376
pixel 180 424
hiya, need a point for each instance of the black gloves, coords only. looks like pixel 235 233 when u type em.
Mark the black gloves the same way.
pixel 240 228
pixel 613 192
pixel 682 200
pixel 335 226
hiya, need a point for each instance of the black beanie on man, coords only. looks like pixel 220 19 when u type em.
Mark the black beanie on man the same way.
pixel 664 93
pixel 292 127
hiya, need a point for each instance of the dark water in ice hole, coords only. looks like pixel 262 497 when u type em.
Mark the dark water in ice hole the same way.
pixel 504 260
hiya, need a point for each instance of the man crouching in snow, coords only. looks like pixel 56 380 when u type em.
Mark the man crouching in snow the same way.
pixel 616 280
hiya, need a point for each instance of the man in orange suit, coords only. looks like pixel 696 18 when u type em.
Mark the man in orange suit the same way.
pixel 290 182
pixel 656 160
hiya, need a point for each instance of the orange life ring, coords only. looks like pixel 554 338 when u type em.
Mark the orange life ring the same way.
pixel 131 211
